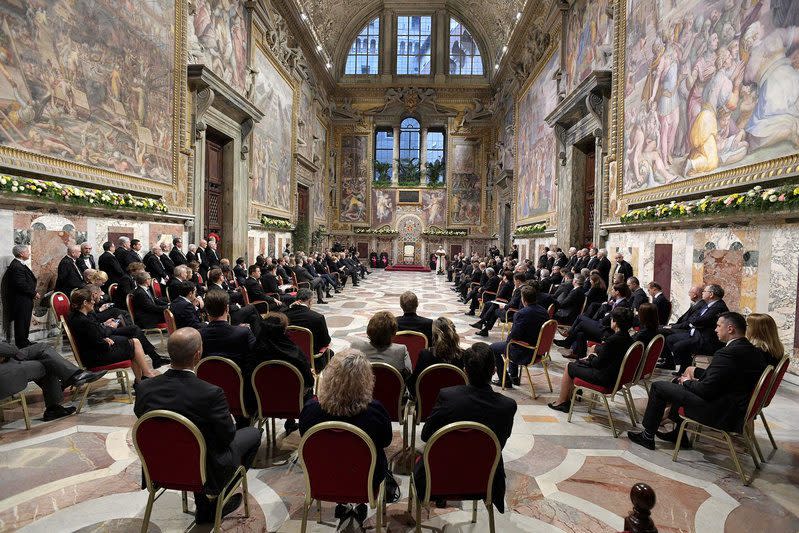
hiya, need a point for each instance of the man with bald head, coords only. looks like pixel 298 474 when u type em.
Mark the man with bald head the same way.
pixel 70 276
pixel 180 390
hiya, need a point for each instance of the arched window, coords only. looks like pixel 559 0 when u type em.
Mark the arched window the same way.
pixel 364 52
pixel 464 55
pixel 414 45
pixel 410 150
pixel 384 153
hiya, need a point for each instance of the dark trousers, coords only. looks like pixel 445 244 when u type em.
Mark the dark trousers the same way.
pixel 135 332
pixel 514 359
pixel 242 453
pixel 42 365
pixel 584 329
pixel 663 393
pixel 22 321
pixel 680 347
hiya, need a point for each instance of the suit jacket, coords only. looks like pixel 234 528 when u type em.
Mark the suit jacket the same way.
pixel 596 295
pixel 85 262
pixel 414 322
pixel 126 257
pixel 581 263
pixel 224 340
pixel 492 284
pixel 592 263
pixel 177 256
pixel 89 335
pixel 213 258
pixel 527 323
pixel 704 322
pixel 270 284
pixel 300 315
pixel 664 308
pixel 186 315
pixel 69 276
pixel 625 268
pixel 570 306
pixel 639 296
pixel 192 256
pixel 153 265
pixel 255 292
pixel 465 403
pixel 171 287
pixel 604 269
pixel 148 310
pixel 126 285
pixel 395 355
pixel 302 274
pixel 562 291
pixel 727 384
pixel 109 264
pixel 515 301
pixel 21 283
pixel 608 356
pixel 205 405
pixel 168 264
pixel 240 273
pixel 682 321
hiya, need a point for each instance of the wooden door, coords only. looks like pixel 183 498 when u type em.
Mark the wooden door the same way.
pixel 662 274
pixel 214 177
pixel 303 202
pixel 590 193
pixel 454 250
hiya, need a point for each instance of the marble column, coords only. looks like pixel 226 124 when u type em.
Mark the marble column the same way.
pixel 571 190
pixel 394 165
pixel 423 155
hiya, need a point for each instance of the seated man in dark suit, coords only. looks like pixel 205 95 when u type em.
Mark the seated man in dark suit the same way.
pixel 70 276
pixel 498 312
pixel 240 271
pixel 181 391
pixel 475 402
pixel 696 333
pixel 527 323
pixel 638 295
pixel 718 396
pixel 255 291
pixel 488 284
pixel 300 314
pixel 661 302
pixel 410 321
pixel 221 338
pixel 184 307
pixel 565 287
pixel 571 303
pixel 148 310
pixel 42 364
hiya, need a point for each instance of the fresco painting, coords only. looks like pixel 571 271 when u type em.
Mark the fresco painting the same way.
pixel 434 208
pixel 709 86
pixel 589 41
pixel 355 171
pixel 220 39
pixel 384 206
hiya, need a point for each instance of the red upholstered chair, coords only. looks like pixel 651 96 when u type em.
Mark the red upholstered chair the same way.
pixel 540 354
pixel 627 373
pixel 330 479
pixel 156 289
pixel 59 303
pixel 779 373
pixel 200 280
pixel 551 311
pixel 430 381
pixel 119 368
pixel 112 290
pixel 245 296
pixel 508 324
pixel 172 452
pixel 169 320
pixel 460 461
pixel 226 375
pixel 279 390
pixel 303 337
pixel 414 341
pixel 159 328
pixel 389 390
pixel 756 402
pixel 649 361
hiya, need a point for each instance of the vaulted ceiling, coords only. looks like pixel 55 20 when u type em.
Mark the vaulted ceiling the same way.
pixel 492 19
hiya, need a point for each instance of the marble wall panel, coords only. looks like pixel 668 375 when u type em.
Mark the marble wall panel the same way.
pixel 159 233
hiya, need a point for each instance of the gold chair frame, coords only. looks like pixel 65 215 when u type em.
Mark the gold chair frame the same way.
pixel 639 379
pixel 414 496
pixel 378 502
pixel 240 475
pixel 261 420
pixel 169 319
pixel 403 416
pixel 544 358
pixel 11 400
pixel 415 420
pixel 58 318
pixel 235 367
pixel 313 356
pixel 785 361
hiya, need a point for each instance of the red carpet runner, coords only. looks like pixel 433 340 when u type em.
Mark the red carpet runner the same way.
pixel 407 268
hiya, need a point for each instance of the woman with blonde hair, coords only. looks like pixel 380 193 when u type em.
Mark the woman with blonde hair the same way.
pixel 445 349
pixel 380 330
pixel 761 330
pixel 344 394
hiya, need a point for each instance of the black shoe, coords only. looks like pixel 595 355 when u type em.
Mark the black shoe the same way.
pixel 498 383
pixel 328 295
pixel 563 343
pixel 671 436
pixel 54 412
pixel 337 291
pixel 482 333
pixel 562 407
pixel 469 313
pixel 639 439
pixel 341 510
pixel 441 503
pixel 516 381
pixel 478 324
pixel 290 426
pixel 321 302
pixel 206 516
pixel 159 361
pixel 82 377
pixel 666 366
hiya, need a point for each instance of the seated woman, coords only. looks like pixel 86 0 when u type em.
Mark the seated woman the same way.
pixel 381 328
pixel 598 292
pixel 96 347
pixel 272 344
pixel 345 394
pixel 445 349
pixel 601 368
pixel 648 318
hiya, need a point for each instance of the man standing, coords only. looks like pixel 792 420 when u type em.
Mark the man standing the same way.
pixel 135 245
pixel 603 265
pixel 212 255
pixel 202 258
pixel 166 261
pixel 69 275
pixel 125 254
pixel 661 302
pixel 181 391
pixel 176 254
pixel 622 267
pixel 717 396
pixel 110 264
pixel 86 260
pixel 20 291
pixel 153 265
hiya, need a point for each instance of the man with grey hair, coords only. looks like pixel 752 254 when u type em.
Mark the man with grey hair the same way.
pixel 603 265
pixel 86 260
pixel 125 254
pixel 202 258
pixel 18 293
pixel 191 255
pixel 489 285
pixel 70 276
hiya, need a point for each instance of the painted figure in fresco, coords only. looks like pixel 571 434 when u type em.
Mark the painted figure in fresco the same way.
pixel 384 206
pixel 434 208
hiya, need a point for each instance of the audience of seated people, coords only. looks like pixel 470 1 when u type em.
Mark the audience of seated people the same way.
pixel 300 314
pixel 444 349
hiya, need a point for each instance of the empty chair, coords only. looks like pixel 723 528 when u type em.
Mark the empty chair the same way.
pixel 431 380
pixel 389 390
pixel 279 390
pixel 226 375
pixel 59 303
pixel 779 373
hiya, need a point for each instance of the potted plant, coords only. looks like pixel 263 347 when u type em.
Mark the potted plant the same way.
pixel 410 175
pixel 382 172
pixel 435 173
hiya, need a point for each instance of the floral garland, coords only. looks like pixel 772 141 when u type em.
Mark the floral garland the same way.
pixel 59 192
pixel 530 229
pixel 755 199
pixel 276 223
pixel 436 232
pixel 382 231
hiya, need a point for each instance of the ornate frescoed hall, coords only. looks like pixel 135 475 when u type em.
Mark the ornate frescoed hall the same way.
pixel 338 265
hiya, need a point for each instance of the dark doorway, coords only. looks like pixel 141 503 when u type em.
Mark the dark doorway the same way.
pixel 590 192
pixel 663 255
pixel 214 178
pixel 302 203
pixel 302 233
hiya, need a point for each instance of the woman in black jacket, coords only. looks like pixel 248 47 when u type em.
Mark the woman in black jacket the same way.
pixel 648 317
pixel 98 349
pixel 602 368
pixel 445 349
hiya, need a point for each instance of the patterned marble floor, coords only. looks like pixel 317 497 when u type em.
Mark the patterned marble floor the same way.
pixel 82 474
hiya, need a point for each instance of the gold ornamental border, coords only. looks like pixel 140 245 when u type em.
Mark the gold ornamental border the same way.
pixel 52 167
pixel 772 169
pixel 478 144
pixel 550 216
pixel 359 130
